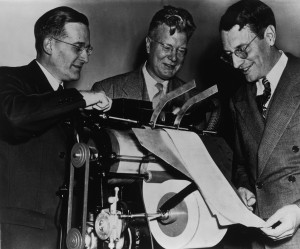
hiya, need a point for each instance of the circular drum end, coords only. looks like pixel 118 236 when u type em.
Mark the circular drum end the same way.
pixel 177 217
pixel 74 239
pixel 79 154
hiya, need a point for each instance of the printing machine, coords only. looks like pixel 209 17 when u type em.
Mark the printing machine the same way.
pixel 104 205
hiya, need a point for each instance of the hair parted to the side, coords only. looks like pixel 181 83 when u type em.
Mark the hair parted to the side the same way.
pixel 178 19
pixel 252 13
pixel 52 24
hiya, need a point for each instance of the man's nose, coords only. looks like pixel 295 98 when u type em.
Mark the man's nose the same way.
pixel 84 56
pixel 236 61
pixel 173 55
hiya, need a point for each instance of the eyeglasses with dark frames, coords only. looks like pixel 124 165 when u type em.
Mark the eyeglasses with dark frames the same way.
pixel 168 49
pixel 239 52
pixel 79 49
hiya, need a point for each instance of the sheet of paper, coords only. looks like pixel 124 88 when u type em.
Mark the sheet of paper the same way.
pixel 185 151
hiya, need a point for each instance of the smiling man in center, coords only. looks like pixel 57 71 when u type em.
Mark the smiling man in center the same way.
pixel 166 44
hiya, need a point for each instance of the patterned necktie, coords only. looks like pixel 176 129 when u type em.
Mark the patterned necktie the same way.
pixel 158 95
pixel 263 99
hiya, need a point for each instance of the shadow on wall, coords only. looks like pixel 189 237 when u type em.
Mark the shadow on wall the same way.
pixel 140 55
pixel 212 70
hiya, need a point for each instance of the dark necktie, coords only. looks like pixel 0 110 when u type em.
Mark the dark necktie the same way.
pixel 60 88
pixel 263 99
pixel 158 95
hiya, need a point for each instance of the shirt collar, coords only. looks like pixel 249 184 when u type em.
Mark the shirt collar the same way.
pixel 149 79
pixel 274 75
pixel 51 79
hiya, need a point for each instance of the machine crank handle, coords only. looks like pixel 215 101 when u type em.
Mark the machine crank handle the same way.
pixel 152 216
pixel 167 217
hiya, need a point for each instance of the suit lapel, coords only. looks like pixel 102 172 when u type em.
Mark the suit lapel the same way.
pixel 37 79
pixel 247 109
pixel 282 108
pixel 39 84
pixel 136 86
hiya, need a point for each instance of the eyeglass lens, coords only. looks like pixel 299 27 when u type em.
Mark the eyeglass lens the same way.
pixel 168 49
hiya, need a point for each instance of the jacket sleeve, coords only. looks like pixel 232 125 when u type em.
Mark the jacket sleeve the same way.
pixel 240 175
pixel 25 113
pixel 106 86
pixel 97 86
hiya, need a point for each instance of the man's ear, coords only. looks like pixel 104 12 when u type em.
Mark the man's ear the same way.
pixel 148 41
pixel 270 35
pixel 47 45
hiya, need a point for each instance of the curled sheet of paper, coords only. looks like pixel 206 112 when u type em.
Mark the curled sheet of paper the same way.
pixel 185 151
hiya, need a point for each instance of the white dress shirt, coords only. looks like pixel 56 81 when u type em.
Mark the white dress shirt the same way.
pixel 52 80
pixel 273 76
pixel 150 83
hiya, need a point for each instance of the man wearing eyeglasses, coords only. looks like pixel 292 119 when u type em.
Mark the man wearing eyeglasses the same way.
pixel 170 30
pixel 34 139
pixel 266 113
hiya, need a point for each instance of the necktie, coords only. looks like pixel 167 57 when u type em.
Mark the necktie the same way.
pixel 60 87
pixel 263 99
pixel 156 99
pixel 158 95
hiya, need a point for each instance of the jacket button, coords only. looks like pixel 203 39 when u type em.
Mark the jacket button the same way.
pixel 295 148
pixel 292 178
pixel 62 154
pixel 259 185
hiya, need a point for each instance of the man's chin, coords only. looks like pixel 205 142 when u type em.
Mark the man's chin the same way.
pixel 167 76
pixel 251 78
pixel 74 77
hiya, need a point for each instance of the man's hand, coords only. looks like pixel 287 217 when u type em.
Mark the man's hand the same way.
pixel 96 100
pixel 247 197
pixel 284 223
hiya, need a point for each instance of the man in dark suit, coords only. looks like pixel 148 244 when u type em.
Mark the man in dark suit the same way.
pixel 33 138
pixel 266 114
pixel 166 44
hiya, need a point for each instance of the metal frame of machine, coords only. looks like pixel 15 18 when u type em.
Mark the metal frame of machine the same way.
pixel 110 222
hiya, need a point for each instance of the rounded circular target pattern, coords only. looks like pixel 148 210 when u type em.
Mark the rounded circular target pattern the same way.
pixel 74 239
pixel 192 225
pixel 176 234
pixel 80 152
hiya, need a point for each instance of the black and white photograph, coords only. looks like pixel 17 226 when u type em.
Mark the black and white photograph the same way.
pixel 150 124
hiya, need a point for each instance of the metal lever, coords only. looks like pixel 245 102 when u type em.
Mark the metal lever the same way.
pixel 141 215
pixel 197 98
pixel 151 216
pixel 171 95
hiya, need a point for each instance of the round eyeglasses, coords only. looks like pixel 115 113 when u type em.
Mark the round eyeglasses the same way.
pixel 79 49
pixel 168 49
pixel 239 52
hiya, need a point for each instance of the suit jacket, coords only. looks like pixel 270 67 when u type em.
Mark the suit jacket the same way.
pixel 33 145
pixel 267 156
pixel 132 85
